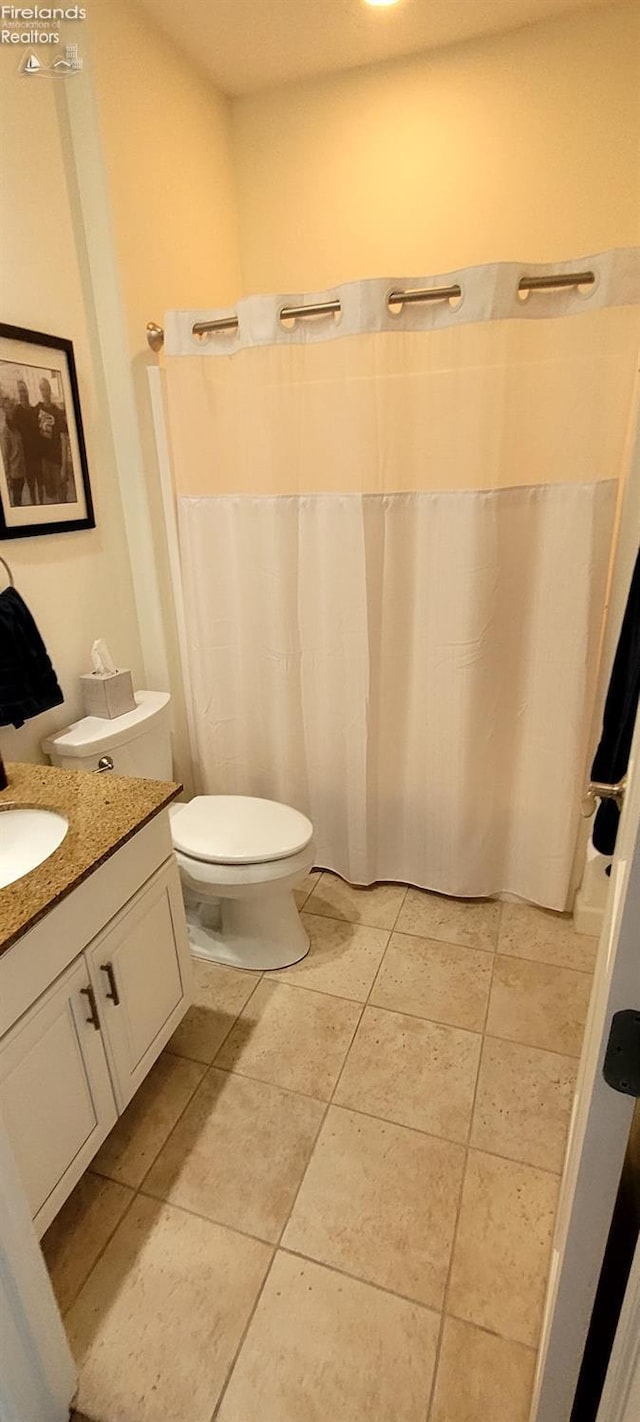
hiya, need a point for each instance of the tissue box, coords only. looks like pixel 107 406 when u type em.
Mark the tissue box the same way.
pixel 107 694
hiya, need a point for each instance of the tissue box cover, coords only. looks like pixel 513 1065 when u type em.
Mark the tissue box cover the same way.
pixel 107 695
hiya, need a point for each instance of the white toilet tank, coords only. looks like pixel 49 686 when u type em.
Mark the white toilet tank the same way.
pixel 138 743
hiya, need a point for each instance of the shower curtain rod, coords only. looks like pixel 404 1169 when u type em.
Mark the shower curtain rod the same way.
pixel 413 296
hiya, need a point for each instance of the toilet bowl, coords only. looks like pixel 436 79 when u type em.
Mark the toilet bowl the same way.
pixel 240 857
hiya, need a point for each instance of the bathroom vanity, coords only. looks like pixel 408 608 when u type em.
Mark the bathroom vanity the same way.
pixel 95 971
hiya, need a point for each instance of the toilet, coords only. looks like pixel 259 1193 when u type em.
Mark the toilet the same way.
pixel 240 857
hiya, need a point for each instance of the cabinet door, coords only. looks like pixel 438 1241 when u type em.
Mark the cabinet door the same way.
pixel 56 1097
pixel 141 971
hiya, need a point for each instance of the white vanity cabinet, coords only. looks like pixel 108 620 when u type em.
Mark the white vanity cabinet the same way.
pixel 55 1092
pixel 136 975
pixel 88 999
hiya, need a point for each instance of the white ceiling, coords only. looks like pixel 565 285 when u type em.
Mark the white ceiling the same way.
pixel 253 44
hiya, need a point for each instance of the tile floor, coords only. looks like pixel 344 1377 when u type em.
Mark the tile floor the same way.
pixel 332 1200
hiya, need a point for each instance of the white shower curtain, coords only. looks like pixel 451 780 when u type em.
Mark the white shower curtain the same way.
pixel 395 535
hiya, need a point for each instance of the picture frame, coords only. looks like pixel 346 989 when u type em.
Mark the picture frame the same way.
pixel 44 477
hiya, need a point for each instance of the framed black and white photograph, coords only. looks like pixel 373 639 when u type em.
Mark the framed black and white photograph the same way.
pixel 44 480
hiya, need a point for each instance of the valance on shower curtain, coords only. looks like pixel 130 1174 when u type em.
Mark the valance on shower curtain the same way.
pixel 395 535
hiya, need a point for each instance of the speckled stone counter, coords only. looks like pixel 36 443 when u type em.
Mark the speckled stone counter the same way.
pixel 103 811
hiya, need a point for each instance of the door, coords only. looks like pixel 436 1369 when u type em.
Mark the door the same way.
pixel 141 972
pixel 620 1401
pixel 37 1372
pixel 56 1098
pixel 598 1134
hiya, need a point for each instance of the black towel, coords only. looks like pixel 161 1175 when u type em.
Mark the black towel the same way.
pixel 28 683
pixel 612 755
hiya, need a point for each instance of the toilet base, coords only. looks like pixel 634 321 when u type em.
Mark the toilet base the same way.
pixel 260 934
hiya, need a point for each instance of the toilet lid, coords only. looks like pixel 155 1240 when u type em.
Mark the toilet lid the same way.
pixel 239 829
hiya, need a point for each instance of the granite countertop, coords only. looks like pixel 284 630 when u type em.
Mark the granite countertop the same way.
pixel 103 811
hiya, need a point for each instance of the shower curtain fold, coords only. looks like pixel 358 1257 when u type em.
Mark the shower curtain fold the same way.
pixel 395 548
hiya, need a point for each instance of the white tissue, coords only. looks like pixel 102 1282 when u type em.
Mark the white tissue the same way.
pixel 101 659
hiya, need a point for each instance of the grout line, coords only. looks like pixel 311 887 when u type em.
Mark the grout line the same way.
pixel 358 1279
pixel 107 1241
pixel 473 1031
pixel 331 1100
pixel 344 923
pixel 483 1036
pixel 321 1124
pixel 275 1085
pixel 263 1081
pixel 534 1046
pixel 543 963
pixel 137 1188
pixel 147 1194
pixel 319 992
pixel 252 1312
pixel 491 1333
pixel 445 1292
pixel 297 987
pixel 178 1118
pixel 103 1173
pixel 419 1017
pixel 456 1227
pixel 304 1173
pixel 494 952
pixel 400 908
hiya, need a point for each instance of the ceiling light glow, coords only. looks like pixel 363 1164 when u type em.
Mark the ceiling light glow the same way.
pixel 381 4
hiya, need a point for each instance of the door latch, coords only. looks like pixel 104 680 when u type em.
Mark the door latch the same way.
pixel 600 790
pixel 621 1066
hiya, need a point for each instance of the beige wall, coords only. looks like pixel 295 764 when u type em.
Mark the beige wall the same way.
pixel 521 146
pixel 77 585
pixel 166 132
pixel 166 139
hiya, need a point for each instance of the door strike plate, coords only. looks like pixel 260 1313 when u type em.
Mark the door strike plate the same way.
pixel 621 1066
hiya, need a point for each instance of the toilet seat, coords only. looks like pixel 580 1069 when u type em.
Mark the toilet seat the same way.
pixel 239 830
pixel 211 880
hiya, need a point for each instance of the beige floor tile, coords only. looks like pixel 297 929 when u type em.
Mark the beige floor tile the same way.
pixel 379 1201
pixel 135 1140
pixel 301 894
pixel 220 994
pixel 323 1348
pixel 481 1378
pixel 523 1104
pixel 418 1073
pixel 80 1231
pixel 292 1038
pixel 343 958
pixel 238 1153
pixel 156 1326
pixel 529 932
pixel 472 923
pixel 436 980
pixel 503 1245
pixel 539 1005
pixel 378 906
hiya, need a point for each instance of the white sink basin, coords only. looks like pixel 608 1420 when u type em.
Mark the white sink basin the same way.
pixel 27 838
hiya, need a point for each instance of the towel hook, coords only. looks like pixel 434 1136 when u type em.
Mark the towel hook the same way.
pixel 8 571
